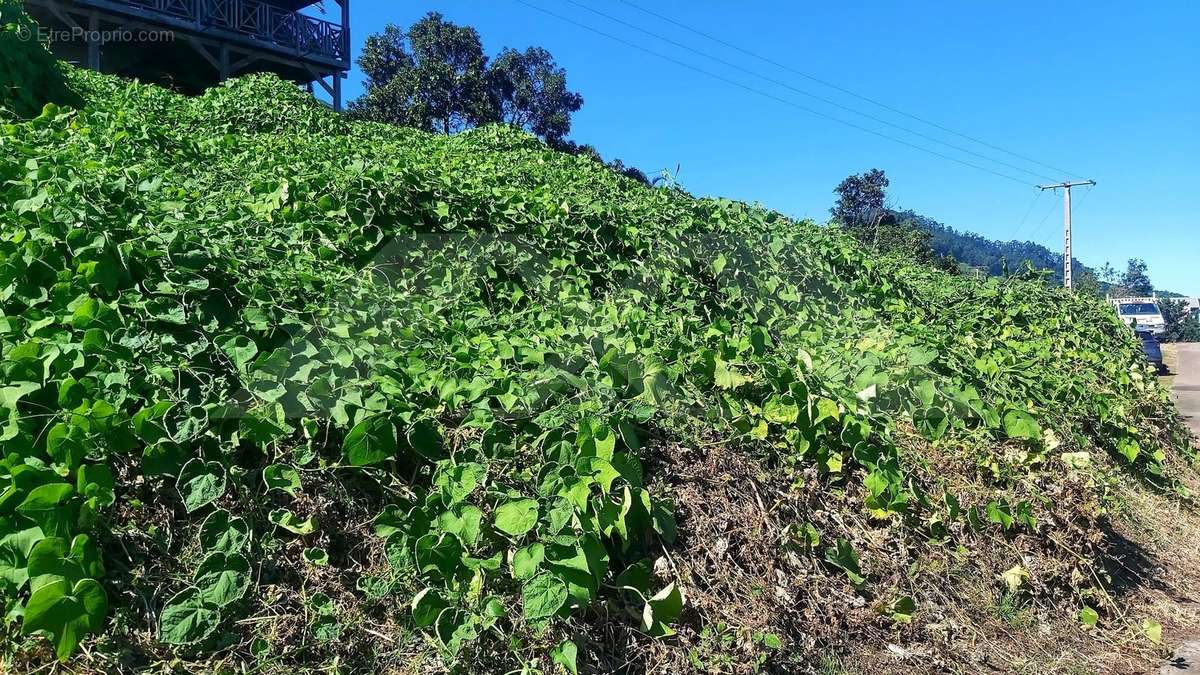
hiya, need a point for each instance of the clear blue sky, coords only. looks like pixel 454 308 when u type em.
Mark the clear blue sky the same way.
pixel 1106 90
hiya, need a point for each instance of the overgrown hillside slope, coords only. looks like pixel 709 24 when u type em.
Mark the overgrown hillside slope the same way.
pixel 285 393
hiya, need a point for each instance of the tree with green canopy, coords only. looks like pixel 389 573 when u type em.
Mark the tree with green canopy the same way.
pixel 1136 280
pixel 432 76
pixel 529 90
pixel 861 199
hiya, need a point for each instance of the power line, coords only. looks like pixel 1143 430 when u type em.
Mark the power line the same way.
pixel 1040 229
pixel 1036 198
pixel 765 94
pixel 809 94
pixel 848 92
pixel 1086 193
pixel 1082 199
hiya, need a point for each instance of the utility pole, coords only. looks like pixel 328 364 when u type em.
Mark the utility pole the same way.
pixel 1066 187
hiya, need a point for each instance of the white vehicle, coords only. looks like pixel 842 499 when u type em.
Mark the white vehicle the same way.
pixel 1141 313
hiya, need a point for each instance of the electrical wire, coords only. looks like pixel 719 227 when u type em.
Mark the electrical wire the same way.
pixel 765 94
pixel 843 90
pixel 1040 229
pixel 1036 199
pixel 1086 194
pixel 822 99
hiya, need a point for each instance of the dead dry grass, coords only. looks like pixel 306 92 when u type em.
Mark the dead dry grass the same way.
pixel 750 576
pixel 743 566
pixel 1171 363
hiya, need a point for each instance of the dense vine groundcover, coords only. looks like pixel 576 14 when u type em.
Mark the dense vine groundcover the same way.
pixel 284 392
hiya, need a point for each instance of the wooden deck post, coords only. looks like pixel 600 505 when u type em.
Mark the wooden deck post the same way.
pixel 337 77
pixel 93 44
pixel 345 28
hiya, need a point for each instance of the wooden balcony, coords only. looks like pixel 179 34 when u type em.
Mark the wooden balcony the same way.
pixel 258 24
pixel 209 40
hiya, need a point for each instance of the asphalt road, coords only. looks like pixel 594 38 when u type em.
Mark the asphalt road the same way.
pixel 1187 384
pixel 1186 390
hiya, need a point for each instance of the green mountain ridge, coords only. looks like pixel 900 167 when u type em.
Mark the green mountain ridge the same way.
pixel 994 256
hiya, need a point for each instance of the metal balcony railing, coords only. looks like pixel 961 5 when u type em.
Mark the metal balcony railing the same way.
pixel 291 31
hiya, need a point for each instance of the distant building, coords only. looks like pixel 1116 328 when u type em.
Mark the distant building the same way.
pixel 1194 307
pixel 192 45
pixel 972 271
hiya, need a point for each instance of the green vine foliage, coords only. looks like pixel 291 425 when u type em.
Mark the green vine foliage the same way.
pixel 32 77
pixel 231 296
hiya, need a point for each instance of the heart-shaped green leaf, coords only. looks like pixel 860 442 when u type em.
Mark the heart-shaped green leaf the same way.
pixel 542 596
pixel 66 613
pixel 187 618
pixel 526 561
pixel 51 507
pixel 222 532
pixel 517 517
pixel 426 606
pixel 291 522
pixel 222 579
pixel 1020 424
pixel 371 441
pixel 316 556
pixel 200 483
pixel 282 477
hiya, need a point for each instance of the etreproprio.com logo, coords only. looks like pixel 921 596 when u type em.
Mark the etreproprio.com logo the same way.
pixel 79 34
